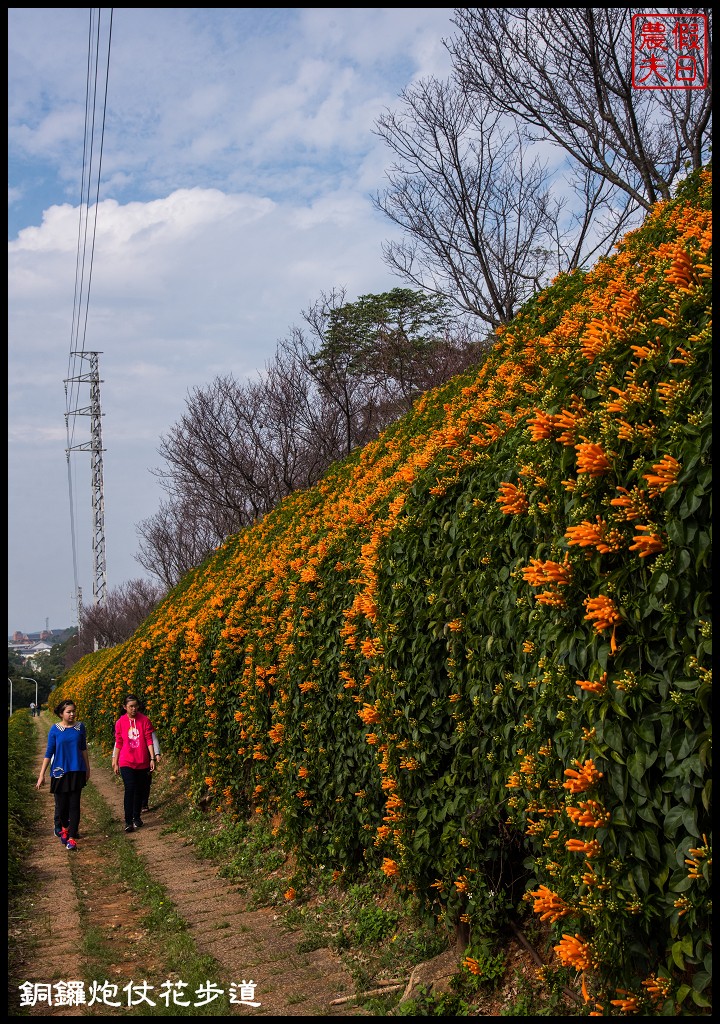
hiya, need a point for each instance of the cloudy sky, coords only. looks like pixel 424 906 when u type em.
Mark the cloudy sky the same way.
pixel 238 161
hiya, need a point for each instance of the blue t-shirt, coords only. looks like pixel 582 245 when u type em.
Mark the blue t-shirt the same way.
pixel 65 747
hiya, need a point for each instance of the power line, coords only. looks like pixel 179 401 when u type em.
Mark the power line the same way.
pixel 84 261
pixel 90 180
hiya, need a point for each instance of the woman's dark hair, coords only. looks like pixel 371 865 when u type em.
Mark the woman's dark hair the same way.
pixel 62 705
pixel 128 697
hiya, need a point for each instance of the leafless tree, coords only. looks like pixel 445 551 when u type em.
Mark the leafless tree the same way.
pixel 175 540
pixel 126 607
pixel 476 208
pixel 239 448
pixel 211 459
pixel 76 649
pixel 301 433
pixel 566 73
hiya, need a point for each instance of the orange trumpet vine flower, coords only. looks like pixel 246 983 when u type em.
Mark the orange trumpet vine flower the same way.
pixel 646 544
pixel 590 814
pixel 681 270
pixel 594 340
pixel 602 611
pixel 512 500
pixel 575 952
pixel 657 988
pixel 390 867
pixel 541 574
pixel 634 502
pixel 589 849
pixel 664 474
pixel 541 426
pixel 600 686
pixel 627 1002
pixel 585 778
pixel 369 715
pixel 567 421
pixel 587 534
pixel 592 460
pixel 549 905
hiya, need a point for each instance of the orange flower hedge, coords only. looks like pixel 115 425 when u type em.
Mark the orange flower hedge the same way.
pixel 374 663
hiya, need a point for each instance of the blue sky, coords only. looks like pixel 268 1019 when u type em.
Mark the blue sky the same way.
pixel 238 163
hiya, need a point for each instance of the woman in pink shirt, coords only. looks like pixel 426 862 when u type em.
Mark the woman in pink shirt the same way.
pixel 133 758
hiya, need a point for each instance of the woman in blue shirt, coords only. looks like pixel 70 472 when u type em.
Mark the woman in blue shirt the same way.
pixel 67 750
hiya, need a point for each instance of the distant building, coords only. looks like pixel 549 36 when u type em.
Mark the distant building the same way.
pixel 20 648
pixel 52 636
pixel 31 650
pixel 41 647
pixel 33 647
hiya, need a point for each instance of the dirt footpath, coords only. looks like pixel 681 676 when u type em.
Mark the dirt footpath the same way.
pixel 248 945
pixel 254 946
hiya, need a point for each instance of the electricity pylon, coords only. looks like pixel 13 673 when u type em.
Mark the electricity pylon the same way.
pixel 94 446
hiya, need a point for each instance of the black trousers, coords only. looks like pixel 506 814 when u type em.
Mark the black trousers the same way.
pixel 67 811
pixel 136 785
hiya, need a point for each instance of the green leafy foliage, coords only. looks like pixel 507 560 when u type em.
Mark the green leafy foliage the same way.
pixel 22 810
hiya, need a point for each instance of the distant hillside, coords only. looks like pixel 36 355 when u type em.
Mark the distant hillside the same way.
pixel 476 656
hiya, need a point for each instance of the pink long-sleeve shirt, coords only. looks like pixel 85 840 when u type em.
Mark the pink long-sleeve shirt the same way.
pixel 132 738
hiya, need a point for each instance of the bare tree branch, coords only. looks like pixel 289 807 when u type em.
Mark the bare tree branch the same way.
pixel 476 207
pixel 174 541
pixel 126 608
pixel 567 72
